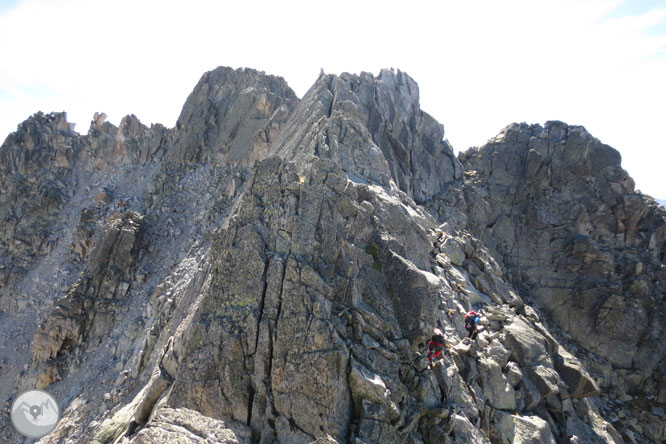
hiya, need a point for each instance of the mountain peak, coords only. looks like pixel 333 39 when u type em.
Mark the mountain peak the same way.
pixel 272 270
pixel 374 129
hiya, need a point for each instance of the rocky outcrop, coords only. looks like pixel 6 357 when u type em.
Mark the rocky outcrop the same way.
pixel 86 313
pixel 554 204
pixel 374 129
pixel 232 117
pixel 269 271
pixel 188 426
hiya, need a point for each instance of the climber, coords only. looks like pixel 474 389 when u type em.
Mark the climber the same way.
pixel 471 319
pixel 435 346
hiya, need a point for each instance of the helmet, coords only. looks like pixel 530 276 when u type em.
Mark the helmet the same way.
pixel 437 331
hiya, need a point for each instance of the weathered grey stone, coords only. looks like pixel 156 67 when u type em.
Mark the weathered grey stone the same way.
pixel 498 353
pixel 465 432
pixel 366 385
pixel 455 391
pixel 513 373
pixel 515 429
pixel 589 426
pixel 189 426
pixel 125 420
pixel 232 116
pixel 428 391
pixel 461 348
pixel 270 270
pixel 527 345
pixel 530 394
pixel 83 314
pixel 496 387
pixel 387 411
pixel 371 431
pixel 413 292
pixel 383 116
pixel 452 249
pixel 545 378
pixel 575 209
pixel 288 431
pixel 573 374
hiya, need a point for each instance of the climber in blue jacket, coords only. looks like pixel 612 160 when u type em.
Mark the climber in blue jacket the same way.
pixel 471 321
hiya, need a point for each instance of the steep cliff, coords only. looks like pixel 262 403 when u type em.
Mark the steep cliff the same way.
pixel 269 271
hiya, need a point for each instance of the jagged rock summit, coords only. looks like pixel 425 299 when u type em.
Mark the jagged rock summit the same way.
pixel 270 270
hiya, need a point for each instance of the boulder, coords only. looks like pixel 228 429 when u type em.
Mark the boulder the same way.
pixel 580 383
pixel 465 432
pixel 513 373
pixel 456 391
pixel 527 346
pixel 189 426
pixel 515 429
pixel 496 387
pixel 365 384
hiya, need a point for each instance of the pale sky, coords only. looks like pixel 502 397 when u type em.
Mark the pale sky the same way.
pixel 480 65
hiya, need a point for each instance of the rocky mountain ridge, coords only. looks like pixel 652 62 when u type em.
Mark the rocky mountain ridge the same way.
pixel 269 270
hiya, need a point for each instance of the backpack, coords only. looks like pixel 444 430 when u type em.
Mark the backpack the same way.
pixel 470 318
pixel 438 341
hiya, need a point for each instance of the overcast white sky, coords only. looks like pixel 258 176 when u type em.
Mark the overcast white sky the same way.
pixel 480 64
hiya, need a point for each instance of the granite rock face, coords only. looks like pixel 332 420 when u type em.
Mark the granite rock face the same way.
pixel 374 129
pixel 573 208
pixel 269 271
pixel 578 242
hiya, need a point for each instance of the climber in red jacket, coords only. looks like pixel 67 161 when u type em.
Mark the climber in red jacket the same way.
pixel 436 345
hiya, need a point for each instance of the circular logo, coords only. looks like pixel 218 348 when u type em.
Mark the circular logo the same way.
pixel 34 413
